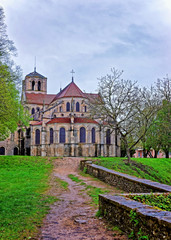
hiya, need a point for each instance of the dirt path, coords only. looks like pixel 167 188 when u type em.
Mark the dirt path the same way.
pixel 73 217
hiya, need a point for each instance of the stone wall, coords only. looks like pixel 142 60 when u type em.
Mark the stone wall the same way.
pixel 123 181
pixel 138 220
pixel 135 218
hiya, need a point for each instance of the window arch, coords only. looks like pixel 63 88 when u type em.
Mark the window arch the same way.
pixel 62 135
pixel 93 135
pixel 32 111
pixel 51 135
pixel 108 139
pixel 77 107
pixel 2 151
pixel 33 85
pixel 37 136
pixel 82 135
pixel 68 107
pixel 39 86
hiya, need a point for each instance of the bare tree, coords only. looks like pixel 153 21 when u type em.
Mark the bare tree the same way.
pixel 126 108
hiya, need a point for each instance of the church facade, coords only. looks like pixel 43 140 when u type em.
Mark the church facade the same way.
pixel 61 124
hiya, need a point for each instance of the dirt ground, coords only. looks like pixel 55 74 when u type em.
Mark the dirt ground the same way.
pixel 73 216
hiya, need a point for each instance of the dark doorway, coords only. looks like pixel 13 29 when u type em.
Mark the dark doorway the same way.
pixel 28 151
pixel 15 151
pixel 2 151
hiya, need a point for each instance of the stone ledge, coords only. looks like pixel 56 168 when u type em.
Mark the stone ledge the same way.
pixel 123 181
pixel 154 223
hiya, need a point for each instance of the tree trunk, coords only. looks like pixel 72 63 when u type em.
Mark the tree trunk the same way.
pixel 155 154
pixel 167 153
pixel 144 153
pixel 127 150
pixel 128 155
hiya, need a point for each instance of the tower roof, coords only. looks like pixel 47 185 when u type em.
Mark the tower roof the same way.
pixel 35 74
pixel 71 90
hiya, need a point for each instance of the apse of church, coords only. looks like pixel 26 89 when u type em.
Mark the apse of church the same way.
pixel 61 123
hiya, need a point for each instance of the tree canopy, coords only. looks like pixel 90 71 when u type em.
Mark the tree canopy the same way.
pixel 127 108
pixel 11 111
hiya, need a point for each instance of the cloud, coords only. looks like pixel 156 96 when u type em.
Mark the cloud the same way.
pixel 91 36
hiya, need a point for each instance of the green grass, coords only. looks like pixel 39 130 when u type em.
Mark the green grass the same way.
pixel 155 169
pixel 23 198
pixel 61 183
pixel 92 191
pixel 74 178
pixel 162 201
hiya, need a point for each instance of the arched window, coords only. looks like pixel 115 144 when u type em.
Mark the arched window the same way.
pixel 38 109
pixel 33 85
pixel 62 135
pixel 32 111
pixel 85 108
pixel 60 109
pixel 51 135
pixel 39 86
pixel 2 151
pixel 82 135
pixel 37 136
pixel 19 133
pixel 77 107
pixel 68 107
pixel 93 135
pixel 28 133
pixel 108 136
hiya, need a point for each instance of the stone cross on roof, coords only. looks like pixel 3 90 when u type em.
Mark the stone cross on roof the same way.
pixel 72 75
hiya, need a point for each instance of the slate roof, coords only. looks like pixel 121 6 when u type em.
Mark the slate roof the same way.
pixel 35 74
pixel 38 98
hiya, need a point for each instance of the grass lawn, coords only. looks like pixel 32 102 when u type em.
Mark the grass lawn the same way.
pixel 155 169
pixel 162 201
pixel 23 198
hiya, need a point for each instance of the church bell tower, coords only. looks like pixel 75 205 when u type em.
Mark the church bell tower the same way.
pixel 34 82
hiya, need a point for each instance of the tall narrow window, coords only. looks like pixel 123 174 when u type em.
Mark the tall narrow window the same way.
pixel 39 86
pixel 93 136
pixel 77 107
pixel 60 109
pixel 32 111
pixel 37 136
pixel 82 135
pixel 108 140
pixel 62 135
pixel 51 135
pixel 68 107
pixel 33 85
pixel 85 109
pixel 38 109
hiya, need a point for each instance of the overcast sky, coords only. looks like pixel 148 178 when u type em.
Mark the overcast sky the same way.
pixel 91 36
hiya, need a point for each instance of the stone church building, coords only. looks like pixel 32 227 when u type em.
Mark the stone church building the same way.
pixel 61 124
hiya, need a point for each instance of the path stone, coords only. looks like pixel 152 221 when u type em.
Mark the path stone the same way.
pixel 73 218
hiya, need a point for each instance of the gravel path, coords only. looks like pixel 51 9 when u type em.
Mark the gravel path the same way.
pixel 73 217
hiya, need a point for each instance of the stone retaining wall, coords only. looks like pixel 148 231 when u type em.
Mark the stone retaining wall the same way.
pixel 136 218
pixel 123 181
pixel 132 217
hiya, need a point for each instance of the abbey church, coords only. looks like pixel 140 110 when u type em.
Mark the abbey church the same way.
pixel 61 124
